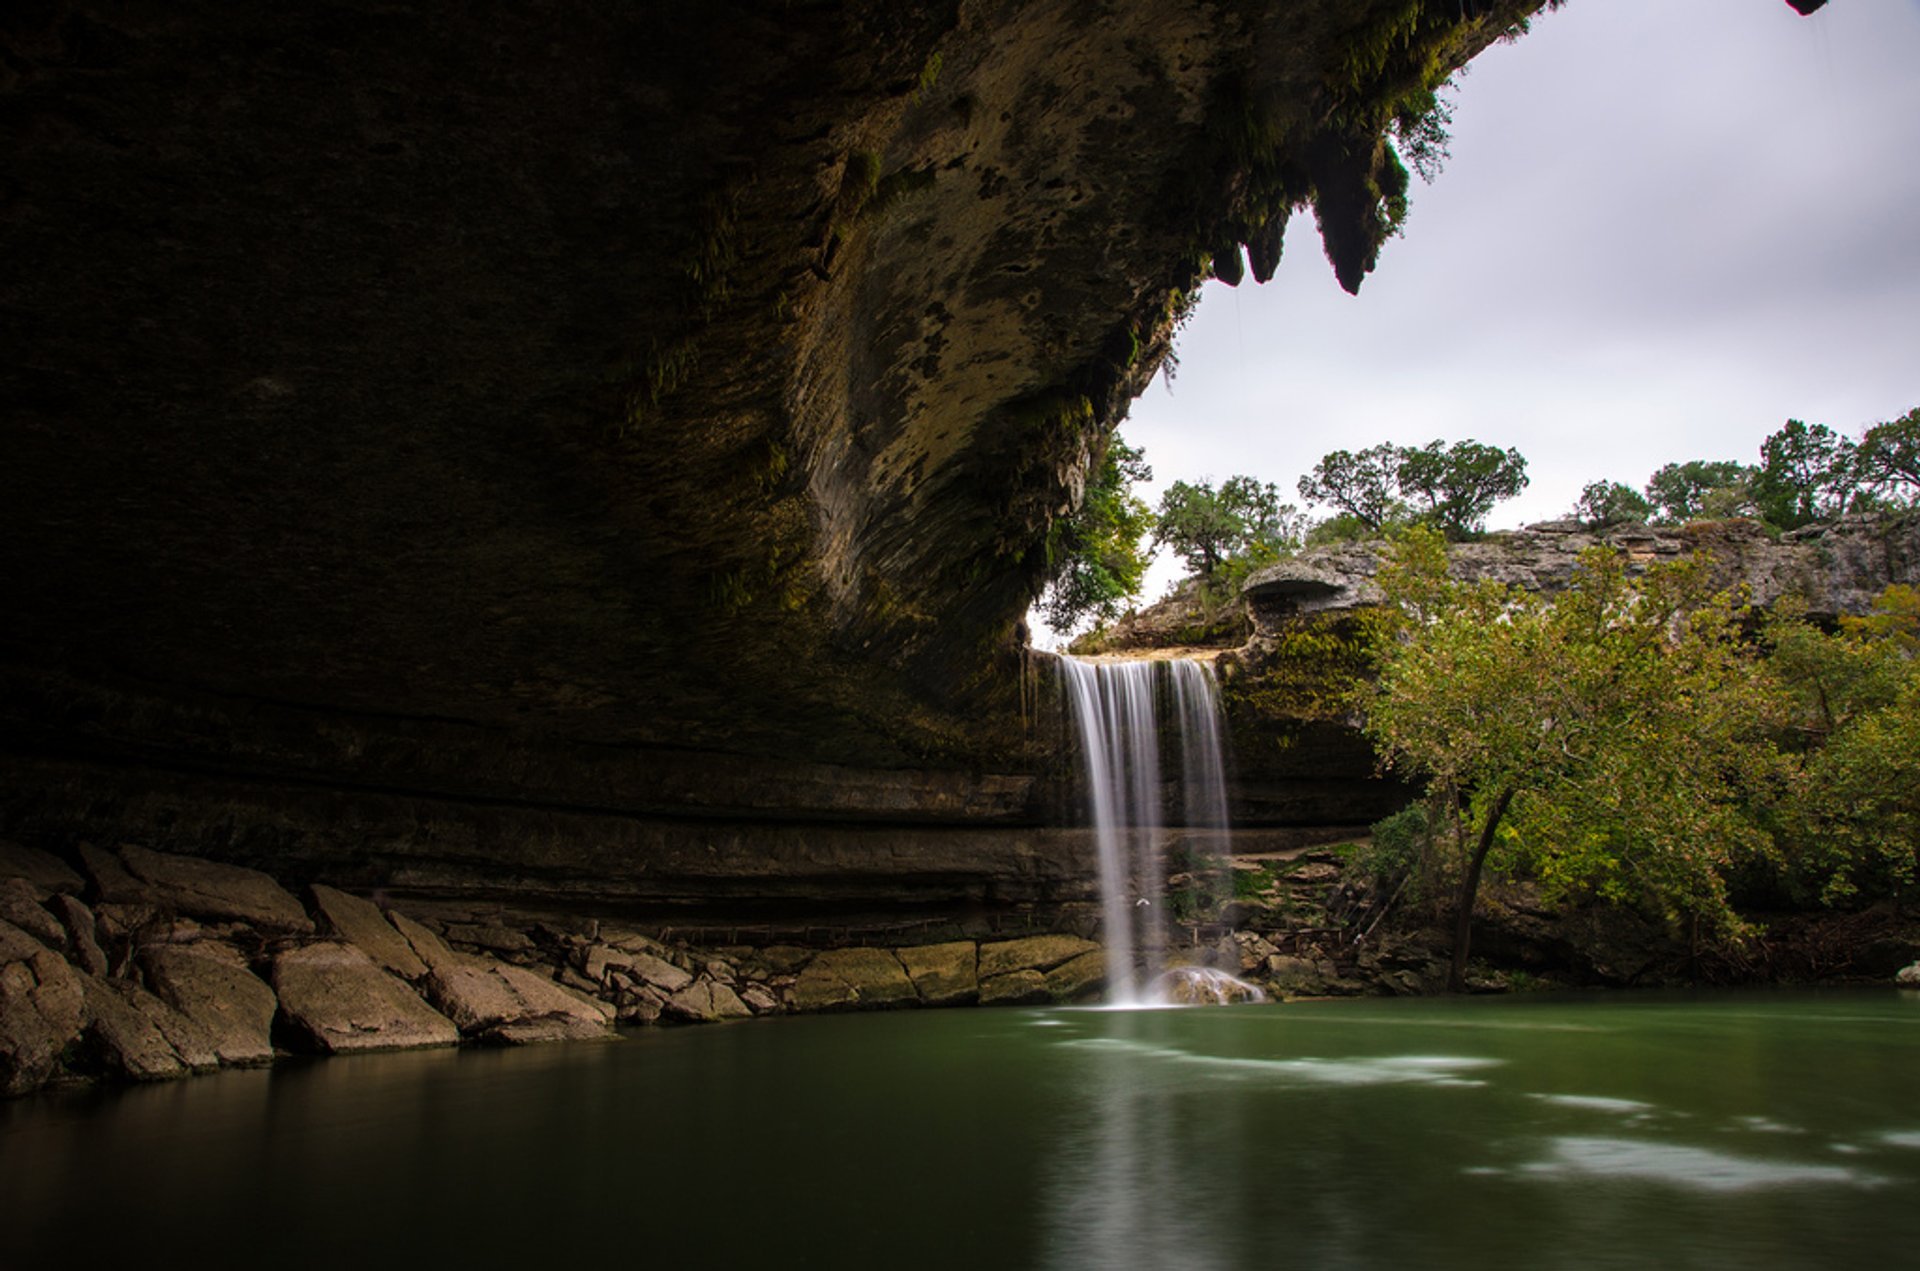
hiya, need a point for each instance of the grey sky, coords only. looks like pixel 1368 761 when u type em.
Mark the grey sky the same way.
pixel 1667 226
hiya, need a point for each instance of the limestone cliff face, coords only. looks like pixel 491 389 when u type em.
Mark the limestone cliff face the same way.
pixel 593 390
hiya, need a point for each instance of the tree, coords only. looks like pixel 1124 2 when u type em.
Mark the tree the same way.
pixel 1361 485
pixel 1207 528
pixel 1889 459
pixel 1700 488
pixel 1096 550
pixel 1604 503
pixel 1460 483
pixel 1807 473
pixel 1600 737
pixel 1851 810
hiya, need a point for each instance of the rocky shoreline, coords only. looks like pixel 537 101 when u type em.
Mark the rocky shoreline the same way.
pixel 136 965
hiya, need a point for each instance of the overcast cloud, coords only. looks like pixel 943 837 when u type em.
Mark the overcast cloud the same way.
pixel 1667 226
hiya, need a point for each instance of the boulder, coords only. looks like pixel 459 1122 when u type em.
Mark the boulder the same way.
pixel 20 905
pixel 359 922
pixel 706 1001
pixel 1078 977
pixel 1037 953
pixel 759 999
pixel 43 869
pixel 211 985
pixel 842 979
pixel 208 889
pixel 122 1038
pixel 111 881
pixel 500 1002
pixel 1908 975
pixel 1025 987
pixel 943 974
pixel 193 1044
pixel 82 939
pixel 342 1001
pixel 42 1008
pixel 428 947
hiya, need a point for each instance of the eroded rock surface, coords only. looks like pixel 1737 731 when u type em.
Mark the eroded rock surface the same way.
pixel 342 1001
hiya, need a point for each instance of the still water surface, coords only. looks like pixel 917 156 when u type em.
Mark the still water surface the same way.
pixel 1751 1131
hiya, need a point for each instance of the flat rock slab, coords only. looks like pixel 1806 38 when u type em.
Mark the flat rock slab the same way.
pixel 340 999
pixel 42 1008
pixel 943 974
pixel 43 869
pixel 428 947
pixel 842 979
pixel 211 985
pixel 1078 978
pixel 482 998
pixel 1036 953
pixel 208 889
pixel 123 1038
pixel 83 941
pixel 359 922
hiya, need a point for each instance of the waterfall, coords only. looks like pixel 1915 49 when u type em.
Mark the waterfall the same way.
pixel 1115 711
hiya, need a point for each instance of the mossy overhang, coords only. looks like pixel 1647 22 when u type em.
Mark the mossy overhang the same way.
pixel 692 376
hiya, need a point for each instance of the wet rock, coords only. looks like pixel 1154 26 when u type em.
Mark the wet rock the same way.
pixel 20 905
pixel 943 974
pixel 1025 987
pixel 1037 953
pixel 342 1001
pixel 211 984
pixel 706 1001
pixel 1290 974
pixel 122 1039
pixel 43 869
pixel 359 922
pixel 841 979
pixel 42 1008
pixel 1908 975
pixel 208 889
pixel 82 940
pixel 1078 977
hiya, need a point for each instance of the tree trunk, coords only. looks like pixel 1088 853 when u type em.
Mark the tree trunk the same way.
pixel 1469 889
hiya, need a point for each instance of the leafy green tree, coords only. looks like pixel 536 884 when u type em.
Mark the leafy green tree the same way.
pixel 1851 811
pixel 1363 485
pixel 1807 473
pixel 1889 459
pixel 1207 528
pixel 1097 550
pixel 1604 503
pixel 1459 484
pixel 1700 489
pixel 1600 737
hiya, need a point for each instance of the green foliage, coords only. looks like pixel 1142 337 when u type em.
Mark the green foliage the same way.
pixel 1889 460
pixel 1096 550
pixel 1601 739
pixel 1849 814
pixel 1363 485
pixel 1807 473
pixel 1451 488
pixel 1420 129
pixel 1604 503
pixel 1701 489
pixel 1207 528
pixel 1459 484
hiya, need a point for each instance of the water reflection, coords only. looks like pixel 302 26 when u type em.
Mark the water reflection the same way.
pixel 1680 1166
